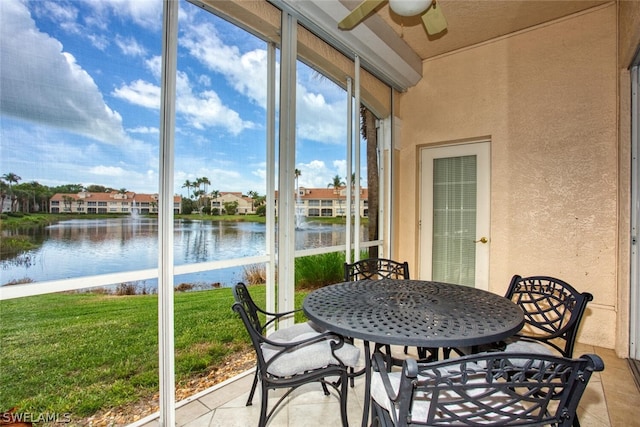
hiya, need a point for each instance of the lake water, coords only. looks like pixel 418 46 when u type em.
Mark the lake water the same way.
pixel 80 247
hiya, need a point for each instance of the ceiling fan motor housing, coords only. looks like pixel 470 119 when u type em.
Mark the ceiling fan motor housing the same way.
pixel 409 7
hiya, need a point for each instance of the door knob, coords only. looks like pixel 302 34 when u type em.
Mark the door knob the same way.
pixel 482 240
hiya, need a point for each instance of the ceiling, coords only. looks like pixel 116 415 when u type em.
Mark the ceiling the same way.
pixel 472 21
pixel 392 47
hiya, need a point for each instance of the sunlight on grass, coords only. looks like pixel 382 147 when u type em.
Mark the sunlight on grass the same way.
pixel 79 353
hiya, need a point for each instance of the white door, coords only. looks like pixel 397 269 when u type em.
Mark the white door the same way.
pixel 454 214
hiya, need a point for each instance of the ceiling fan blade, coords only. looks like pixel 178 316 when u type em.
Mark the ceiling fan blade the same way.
pixel 434 20
pixel 359 13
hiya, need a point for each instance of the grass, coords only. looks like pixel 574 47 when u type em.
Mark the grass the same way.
pixel 79 353
pixel 24 221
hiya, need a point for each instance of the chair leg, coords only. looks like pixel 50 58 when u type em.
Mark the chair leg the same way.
pixel 263 407
pixel 352 371
pixel 325 389
pixel 343 399
pixel 253 389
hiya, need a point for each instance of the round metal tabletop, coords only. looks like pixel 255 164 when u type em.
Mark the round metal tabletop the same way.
pixel 414 313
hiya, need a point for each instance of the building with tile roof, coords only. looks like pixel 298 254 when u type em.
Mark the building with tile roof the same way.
pixel 326 202
pixel 111 202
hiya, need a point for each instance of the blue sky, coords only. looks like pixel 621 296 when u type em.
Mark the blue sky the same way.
pixel 80 97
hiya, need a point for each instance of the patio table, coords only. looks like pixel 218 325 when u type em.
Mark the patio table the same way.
pixel 412 313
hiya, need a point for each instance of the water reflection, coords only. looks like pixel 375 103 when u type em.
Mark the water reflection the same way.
pixel 78 248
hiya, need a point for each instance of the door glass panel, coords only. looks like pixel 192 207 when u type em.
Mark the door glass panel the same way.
pixel 454 219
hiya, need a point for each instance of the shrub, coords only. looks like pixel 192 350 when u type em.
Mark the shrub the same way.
pixel 184 287
pixel 255 274
pixel 19 281
pixel 126 289
pixel 316 271
pixel 15 245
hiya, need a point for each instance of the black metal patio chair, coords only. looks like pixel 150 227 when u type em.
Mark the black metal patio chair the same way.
pixel 293 356
pixel 383 268
pixel 376 268
pixel 553 311
pixel 488 389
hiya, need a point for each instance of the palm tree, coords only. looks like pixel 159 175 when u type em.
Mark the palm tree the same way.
pixel 188 184
pixel 371 135
pixel 3 193
pixel 11 178
pixel 254 196
pixel 336 184
pixel 214 195
pixel 204 181
pixel 297 174
pixel 67 201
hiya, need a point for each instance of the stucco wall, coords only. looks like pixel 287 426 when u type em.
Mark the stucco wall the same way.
pixel 628 44
pixel 547 98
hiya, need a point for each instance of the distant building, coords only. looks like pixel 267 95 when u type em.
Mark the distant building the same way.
pixel 6 205
pixel 326 202
pixel 113 202
pixel 245 203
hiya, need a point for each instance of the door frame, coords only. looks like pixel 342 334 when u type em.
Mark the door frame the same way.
pixel 634 308
pixel 481 148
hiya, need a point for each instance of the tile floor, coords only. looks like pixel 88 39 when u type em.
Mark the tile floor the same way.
pixel 612 399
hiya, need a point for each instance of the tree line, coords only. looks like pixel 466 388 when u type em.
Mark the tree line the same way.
pixel 32 197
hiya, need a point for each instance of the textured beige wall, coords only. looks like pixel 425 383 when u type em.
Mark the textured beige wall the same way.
pixel 547 98
pixel 629 31
pixel 628 44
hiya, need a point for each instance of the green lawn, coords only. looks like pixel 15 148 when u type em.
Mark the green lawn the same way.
pixel 79 353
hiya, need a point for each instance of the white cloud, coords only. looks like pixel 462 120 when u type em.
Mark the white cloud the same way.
pixel 145 13
pixel 201 110
pixel 110 171
pixel 130 46
pixel 40 82
pixel 141 93
pixel 144 130
pixel 247 72
pixel 318 120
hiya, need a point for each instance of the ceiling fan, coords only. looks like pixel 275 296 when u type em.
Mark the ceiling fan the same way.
pixel 431 13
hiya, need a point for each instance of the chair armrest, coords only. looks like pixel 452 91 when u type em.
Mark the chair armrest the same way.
pixel 275 316
pixel 380 366
pixel 596 364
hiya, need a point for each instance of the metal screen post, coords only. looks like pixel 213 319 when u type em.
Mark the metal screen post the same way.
pixel 165 214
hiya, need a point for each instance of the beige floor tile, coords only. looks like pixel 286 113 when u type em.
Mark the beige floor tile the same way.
pixel 593 406
pixel 190 412
pixel 611 400
pixel 231 391
pixel 202 421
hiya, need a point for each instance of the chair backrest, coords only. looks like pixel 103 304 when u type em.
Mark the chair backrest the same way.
pixel 553 310
pixel 376 268
pixel 493 389
pixel 250 310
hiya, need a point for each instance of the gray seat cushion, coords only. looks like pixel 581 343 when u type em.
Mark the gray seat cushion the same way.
pixel 309 357
pixel 291 332
pixel 422 401
pixel 515 345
